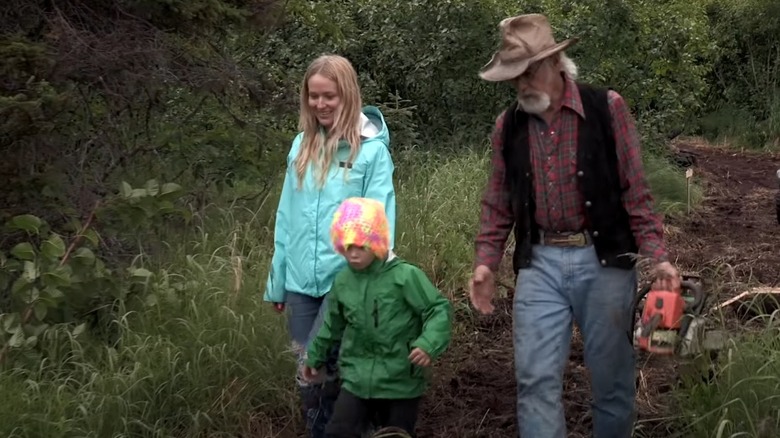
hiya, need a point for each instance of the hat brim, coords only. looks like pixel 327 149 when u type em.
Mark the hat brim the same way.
pixel 498 71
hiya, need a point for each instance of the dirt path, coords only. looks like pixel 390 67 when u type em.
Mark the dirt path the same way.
pixel 734 237
pixel 732 240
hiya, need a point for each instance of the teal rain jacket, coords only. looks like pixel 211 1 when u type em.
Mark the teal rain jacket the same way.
pixel 304 260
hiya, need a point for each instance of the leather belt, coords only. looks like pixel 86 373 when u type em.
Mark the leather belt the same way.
pixel 565 238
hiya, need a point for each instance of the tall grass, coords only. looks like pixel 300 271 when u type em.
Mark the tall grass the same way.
pixel 669 186
pixel 743 397
pixel 198 352
pixel 438 199
pixel 199 357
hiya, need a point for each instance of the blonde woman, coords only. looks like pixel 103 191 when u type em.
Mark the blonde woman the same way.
pixel 341 152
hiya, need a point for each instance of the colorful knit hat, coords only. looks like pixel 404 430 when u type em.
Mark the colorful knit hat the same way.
pixel 362 222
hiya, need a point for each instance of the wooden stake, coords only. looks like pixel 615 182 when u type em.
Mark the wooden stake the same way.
pixel 688 176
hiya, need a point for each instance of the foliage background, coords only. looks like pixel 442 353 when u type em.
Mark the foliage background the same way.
pixel 143 142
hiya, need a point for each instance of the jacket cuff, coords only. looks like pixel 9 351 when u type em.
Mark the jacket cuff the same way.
pixel 492 261
pixel 274 293
pixel 659 254
pixel 312 362
pixel 423 345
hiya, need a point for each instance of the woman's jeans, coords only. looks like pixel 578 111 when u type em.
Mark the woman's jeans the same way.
pixel 304 321
pixel 561 285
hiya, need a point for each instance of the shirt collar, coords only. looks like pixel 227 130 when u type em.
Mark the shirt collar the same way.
pixel 571 96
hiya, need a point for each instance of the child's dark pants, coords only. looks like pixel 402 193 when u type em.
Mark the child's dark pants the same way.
pixel 351 415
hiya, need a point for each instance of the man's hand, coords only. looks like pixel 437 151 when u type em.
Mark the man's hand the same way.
pixel 419 357
pixel 279 307
pixel 666 277
pixel 482 288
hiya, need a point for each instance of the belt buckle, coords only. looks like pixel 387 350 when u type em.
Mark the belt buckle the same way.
pixel 577 239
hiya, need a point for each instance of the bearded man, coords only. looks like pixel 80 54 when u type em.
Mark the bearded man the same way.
pixel 567 176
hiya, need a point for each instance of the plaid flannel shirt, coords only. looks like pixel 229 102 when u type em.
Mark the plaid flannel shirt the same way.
pixel 559 205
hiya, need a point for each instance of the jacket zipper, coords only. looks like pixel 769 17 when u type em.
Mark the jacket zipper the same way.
pixel 375 315
pixel 316 241
pixel 411 365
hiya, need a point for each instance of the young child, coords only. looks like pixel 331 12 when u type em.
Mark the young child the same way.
pixel 391 321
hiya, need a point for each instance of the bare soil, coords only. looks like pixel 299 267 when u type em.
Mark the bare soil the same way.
pixel 732 241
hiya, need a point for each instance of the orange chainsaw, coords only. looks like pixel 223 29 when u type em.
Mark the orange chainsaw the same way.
pixel 667 316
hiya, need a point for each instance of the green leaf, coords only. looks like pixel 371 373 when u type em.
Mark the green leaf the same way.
pixel 26 222
pixel 92 236
pixel 53 293
pixel 10 322
pixel 53 247
pixel 20 285
pixel 84 255
pixel 125 190
pixel 79 329
pixel 37 329
pixel 59 277
pixel 17 339
pixel 141 272
pixel 40 310
pixel 74 226
pixel 32 296
pixel 23 251
pixel 31 272
pixel 166 207
pixel 169 188
pixel 138 193
pixel 152 187
pixel 31 341
pixel 11 265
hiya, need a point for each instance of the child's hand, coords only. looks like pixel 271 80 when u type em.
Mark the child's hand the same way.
pixel 419 357
pixel 310 374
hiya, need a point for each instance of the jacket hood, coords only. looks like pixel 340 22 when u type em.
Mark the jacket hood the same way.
pixel 373 126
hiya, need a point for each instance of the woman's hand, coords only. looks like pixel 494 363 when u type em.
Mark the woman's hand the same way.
pixel 310 374
pixel 279 307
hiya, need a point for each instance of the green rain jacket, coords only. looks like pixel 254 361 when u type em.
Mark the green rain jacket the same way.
pixel 380 315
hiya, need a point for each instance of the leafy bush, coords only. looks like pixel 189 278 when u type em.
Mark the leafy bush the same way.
pixel 744 98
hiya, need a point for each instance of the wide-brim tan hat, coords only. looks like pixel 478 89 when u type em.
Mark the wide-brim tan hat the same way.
pixel 525 39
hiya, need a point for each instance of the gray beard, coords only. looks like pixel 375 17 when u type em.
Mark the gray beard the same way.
pixel 538 103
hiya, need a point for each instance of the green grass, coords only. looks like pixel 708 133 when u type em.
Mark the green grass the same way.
pixel 740 128
pixel 438 209
pixel 743 399
pixel 669 186
pixel 199 358
pixel 199 353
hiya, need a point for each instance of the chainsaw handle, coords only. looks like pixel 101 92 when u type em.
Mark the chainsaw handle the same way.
pixel 698 295
pixel 695 288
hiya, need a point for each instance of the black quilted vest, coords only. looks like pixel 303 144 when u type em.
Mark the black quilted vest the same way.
pixel 607 220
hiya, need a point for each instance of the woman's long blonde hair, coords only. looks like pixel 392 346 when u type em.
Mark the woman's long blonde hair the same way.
pixel 319 147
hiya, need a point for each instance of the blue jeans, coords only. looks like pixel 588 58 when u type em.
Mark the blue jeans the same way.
pixel 304 320
pixel 561 285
